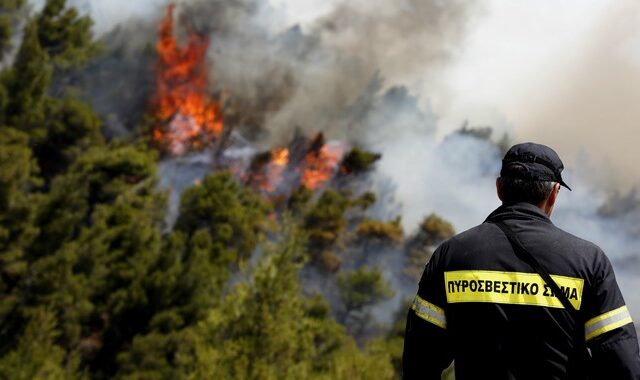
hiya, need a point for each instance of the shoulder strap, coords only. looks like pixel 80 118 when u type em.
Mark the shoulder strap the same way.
pixel 525 255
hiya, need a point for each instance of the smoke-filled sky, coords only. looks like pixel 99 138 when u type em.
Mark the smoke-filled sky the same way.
pixel 566 73
pixel 562 72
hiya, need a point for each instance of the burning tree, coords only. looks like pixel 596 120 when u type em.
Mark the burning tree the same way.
pixel 187 118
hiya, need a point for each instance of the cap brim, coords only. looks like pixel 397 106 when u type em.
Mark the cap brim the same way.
pixel 561 182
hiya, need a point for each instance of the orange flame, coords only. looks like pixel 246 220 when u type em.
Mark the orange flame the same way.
pixel 279 161
pixel 265 173
pixel 320 165
pixel 280 156
pixel 188 117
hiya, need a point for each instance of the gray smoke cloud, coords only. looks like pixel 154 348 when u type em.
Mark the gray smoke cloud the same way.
pixel 566 75
pixel 593 100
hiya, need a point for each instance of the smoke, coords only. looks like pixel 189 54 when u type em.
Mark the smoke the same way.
pixel 402 39
pixel 565 74
pixel 593 100
pixel 289 76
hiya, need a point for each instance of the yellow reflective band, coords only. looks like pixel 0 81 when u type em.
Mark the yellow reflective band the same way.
pixel 515 288
pixel 429 312
pixel 606 322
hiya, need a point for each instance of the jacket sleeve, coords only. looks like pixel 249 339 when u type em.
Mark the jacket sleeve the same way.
pixel 609 331
pixel 426 348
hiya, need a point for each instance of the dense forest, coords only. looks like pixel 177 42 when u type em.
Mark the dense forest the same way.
pixel 96 282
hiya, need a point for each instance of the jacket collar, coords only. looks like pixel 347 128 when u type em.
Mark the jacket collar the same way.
pixel 520 210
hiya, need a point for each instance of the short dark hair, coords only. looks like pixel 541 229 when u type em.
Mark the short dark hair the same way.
pixel 520 190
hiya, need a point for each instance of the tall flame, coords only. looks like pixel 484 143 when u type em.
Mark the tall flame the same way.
pixel 187 117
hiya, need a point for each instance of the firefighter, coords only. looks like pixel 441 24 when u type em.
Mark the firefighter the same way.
pixel 483 306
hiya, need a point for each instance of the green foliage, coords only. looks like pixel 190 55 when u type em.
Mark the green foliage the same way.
pixel 71 128
pixel 11 4
pixel 299 199
pixel 362 287
pixel 328 260
pixel 18 209
pixel 351 363
pixel 36 356
pixel 432 231
pixel 394 341
pixel 64 35
pixel 8 15
pixel 100 176
pixel 358 160
pixel 5 34
pixel 265 329
pixel 377 232
pixel 27 82
pixel 365 201
pixel 233 215
pixel 59 129
pixel 98 246
pixel 17 178
pixel 325 221
pixel 265 334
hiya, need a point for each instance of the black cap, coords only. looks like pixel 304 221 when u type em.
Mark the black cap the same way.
pixel 534 162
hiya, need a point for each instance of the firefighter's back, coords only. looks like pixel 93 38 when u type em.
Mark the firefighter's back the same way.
pixel 503 320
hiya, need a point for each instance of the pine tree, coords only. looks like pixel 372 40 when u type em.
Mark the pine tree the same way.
pixel 432 231
pixel 361 288
pixel 36 355
pixel 65 35
pixel 70 129
pixel 263 334
pixel 27 82
pixel 18 209
pixel 57 38
pixel 9 15
pixel 188 284
pixel 234 216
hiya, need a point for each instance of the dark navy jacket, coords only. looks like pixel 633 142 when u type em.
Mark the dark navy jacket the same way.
pixel 479 304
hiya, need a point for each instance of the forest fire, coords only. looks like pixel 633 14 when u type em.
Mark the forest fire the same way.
pixel 310 163
pixel 186 116
pixel 320 163
pixel 279 161
pixel 266 169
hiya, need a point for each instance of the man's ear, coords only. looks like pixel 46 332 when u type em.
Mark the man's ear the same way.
pixel 551 200
pixel 553 195
pixel 499 189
